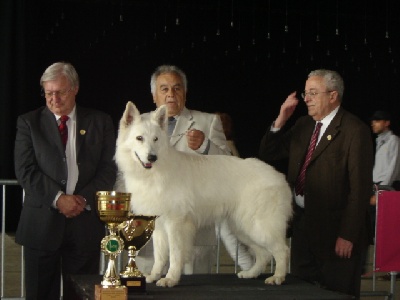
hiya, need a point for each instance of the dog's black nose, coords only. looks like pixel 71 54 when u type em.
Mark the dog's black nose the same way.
pixel 152 158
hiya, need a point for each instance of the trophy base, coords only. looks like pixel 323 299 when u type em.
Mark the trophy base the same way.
pixel 110 292
pixel 135 285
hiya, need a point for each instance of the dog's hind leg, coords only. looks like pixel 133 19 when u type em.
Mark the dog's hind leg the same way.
pixel 160 243
pixel 280 252
pixel 262 256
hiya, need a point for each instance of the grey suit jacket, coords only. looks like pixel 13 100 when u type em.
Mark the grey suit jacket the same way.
pixel 41 169
pixel 338 182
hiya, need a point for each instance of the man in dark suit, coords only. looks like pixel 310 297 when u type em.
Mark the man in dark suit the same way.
pixel 330 225
pixel 59 226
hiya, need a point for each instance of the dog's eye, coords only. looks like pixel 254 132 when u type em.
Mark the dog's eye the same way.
pixel 155 139
pixel 139 138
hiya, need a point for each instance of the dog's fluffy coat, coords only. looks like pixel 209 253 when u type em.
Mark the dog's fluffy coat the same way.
pixel 188 191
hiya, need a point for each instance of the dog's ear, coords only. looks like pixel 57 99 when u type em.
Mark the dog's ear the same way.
pixel 160 116
pixel 130 115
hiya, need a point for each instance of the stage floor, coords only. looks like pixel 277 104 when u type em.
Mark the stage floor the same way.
pixel 219 286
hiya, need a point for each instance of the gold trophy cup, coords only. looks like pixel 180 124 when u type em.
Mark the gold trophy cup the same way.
pixel 136 232
pixel 113 208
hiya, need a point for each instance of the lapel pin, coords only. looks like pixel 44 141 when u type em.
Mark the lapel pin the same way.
pixel 82 131
pixel 329 137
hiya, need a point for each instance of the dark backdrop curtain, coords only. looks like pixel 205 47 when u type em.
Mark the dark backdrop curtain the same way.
pixel 115 58
pixel 17 56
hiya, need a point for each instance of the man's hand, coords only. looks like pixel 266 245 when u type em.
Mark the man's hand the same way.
pixel 195 138
pixel 287 110
pixel 372 200
pixel 343 248
pixel 71 205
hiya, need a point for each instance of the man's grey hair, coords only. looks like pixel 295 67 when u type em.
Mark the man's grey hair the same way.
pixel 164 69
pixel 58 69
pixel 333 81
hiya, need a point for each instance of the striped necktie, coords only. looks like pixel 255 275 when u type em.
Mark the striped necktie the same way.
pixel 63 129
pixel 299 188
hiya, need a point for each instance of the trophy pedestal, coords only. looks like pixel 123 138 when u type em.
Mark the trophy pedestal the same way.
pixel 135 232
pixel 131 277
pixel 110 292
pixel 136 285
pixel 127 231
pixel 113 208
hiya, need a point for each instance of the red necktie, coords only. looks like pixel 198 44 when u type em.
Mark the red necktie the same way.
pixel 63 129
pixel 299 189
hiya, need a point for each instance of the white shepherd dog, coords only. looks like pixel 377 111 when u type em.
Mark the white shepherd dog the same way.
pixel 188 191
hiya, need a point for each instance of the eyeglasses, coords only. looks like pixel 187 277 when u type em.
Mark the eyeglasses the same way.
pixel 61 94
pixel 312 94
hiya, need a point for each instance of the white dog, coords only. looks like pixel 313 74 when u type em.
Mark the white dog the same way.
pixel 188 191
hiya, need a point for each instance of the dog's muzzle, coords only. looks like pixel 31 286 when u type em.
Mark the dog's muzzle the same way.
pixel 151 159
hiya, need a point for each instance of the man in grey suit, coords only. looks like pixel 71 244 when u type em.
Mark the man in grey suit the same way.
pixel 330 226
pixel 59 227
pixel 194 132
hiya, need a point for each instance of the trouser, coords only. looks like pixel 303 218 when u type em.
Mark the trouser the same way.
pixel 43 269
pixel 204 253
pixel 236 250
pixel 203 256
pixel 336 274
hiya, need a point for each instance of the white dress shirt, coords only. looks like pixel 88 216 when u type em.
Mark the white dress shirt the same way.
pixel 325 123
pixel 70 153
pixel 387 159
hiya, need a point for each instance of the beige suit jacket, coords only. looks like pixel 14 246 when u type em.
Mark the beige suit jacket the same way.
pixel 210 124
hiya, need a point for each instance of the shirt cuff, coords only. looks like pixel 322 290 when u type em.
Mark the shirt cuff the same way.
pixel 205 147
pixel 274 129
pixel 56 198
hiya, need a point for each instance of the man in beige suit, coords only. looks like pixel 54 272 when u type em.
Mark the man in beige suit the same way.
pixel 190 131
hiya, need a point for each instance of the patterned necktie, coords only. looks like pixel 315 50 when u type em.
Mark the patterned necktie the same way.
pixel 171 125
pixel 63 129
pixel 299 189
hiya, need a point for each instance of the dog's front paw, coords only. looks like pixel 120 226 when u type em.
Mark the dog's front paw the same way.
pixel 247 274
pixel 275 280
pixel 166 282
pixel 152 277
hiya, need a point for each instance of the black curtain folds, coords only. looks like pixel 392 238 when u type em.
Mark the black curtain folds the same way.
pixel 241 57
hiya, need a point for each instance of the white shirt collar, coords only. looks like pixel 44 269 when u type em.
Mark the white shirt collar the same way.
pixel 328 119
pixel 71 115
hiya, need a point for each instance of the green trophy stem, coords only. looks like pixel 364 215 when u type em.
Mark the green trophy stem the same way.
pixel 112 245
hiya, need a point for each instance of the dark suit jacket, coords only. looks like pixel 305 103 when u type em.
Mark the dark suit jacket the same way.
pixel 41 169
pixel 338 182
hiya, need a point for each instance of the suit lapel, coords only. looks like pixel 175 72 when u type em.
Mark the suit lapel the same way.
pixel 50 129
pixel 83 121
pixel 183 124
pixel 305 137
pixel 303 141
pixel 329 135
